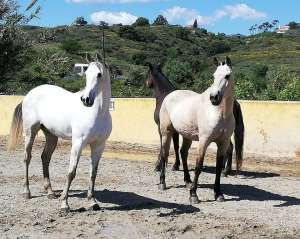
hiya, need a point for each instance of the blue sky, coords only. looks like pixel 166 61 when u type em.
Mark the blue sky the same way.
pixel 229 16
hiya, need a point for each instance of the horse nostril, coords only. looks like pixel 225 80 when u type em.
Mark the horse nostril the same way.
pixel 87 100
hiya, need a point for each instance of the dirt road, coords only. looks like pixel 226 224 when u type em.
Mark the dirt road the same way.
pixel 261 205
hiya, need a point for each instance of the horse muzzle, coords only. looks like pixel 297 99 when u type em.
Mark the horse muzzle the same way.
pixel 88 102
pixel 216 99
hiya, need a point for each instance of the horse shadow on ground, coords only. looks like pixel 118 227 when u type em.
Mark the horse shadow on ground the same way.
pixel 127 201
pixel 245 192
pixel 246 174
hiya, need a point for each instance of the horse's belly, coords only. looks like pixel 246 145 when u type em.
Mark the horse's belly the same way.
pixel 185 126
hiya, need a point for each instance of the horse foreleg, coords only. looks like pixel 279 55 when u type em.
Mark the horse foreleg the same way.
pixel 96 153
pixel 77 146
pixel 50 145
pixel 176 149
pixel 198 169
pixel 221 153
pixel 186 144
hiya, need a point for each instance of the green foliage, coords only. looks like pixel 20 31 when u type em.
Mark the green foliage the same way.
pixel 182 33
pixel 129 32
pixel 291 91
pixel 244 88
pixel 218 47
pixel 14 42
pixel 179 72
pixel 141 22
pixel 71 46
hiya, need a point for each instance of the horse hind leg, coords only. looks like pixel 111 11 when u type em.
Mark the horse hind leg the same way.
pixel 227 162
pixel 164 153
pixel 186 144
pixel 50 145
pixel 29 139
pixel 176 165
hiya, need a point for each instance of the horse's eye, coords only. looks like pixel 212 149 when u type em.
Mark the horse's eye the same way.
pixel 99 75
pixel 227 77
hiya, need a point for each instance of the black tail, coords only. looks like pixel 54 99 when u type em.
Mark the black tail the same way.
pixel 238 134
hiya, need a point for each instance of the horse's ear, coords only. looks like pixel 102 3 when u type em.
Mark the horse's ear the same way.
pixel 160 66
pixel 216 61
pixel 228 61
pixel 98 57
pixel 150 66
pixel 88 57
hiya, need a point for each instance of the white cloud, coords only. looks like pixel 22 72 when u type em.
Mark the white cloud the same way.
pixel 111 1
pixel 179 13
pixel 113 17
pixel 237 11
pixel 243 11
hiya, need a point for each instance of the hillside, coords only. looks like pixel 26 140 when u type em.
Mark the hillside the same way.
pixel 266 65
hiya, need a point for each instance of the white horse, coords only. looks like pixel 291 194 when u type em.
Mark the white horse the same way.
pixel 206 118
pixel 82 117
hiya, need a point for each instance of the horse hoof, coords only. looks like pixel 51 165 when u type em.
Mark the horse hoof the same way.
pixel 94 207
pixel 188 185
pixel 162 186
pixel 64 209
pixel 51 196
pixel 26 196
pixel 220 198
pixel 194 200
pixel 175 167
pixel 157 168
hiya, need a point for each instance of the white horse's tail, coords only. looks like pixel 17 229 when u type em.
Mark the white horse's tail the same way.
pixel 16 128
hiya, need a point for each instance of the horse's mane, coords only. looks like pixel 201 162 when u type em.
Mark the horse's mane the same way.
pixel 162 81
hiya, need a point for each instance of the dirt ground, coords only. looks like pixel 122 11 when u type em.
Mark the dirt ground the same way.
pixel 258 205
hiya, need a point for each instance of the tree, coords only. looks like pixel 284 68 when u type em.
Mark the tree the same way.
pixel 79 21
pixel 160 21
pixel 141 22
pixel 103 24
pixel 15 45
pixel 195 25
pixel 293 25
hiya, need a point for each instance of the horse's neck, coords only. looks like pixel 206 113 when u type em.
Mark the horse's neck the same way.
pixel 163 87
pixel 102 100
pixel 227 102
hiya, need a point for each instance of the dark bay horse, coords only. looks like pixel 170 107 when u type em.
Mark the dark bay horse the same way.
pixel 162 87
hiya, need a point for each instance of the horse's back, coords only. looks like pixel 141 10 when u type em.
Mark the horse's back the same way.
pixel 51 106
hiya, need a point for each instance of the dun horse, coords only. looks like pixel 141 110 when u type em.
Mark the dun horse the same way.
pixel 82 117
pixel 162 87
pixel 206 118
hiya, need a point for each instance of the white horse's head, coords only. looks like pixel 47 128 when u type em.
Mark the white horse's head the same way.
pixel 221 80
pixel 94 75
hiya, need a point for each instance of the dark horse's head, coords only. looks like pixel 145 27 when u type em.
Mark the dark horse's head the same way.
pixel 154 73
pixel 158 80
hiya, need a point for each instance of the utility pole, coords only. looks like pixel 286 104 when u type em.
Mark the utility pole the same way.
pixel 102 25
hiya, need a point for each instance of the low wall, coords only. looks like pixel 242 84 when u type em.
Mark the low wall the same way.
pixel 272 128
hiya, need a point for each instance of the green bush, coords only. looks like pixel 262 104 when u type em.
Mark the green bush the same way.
pixel 179 72
pixel 71 46
pixel 141 22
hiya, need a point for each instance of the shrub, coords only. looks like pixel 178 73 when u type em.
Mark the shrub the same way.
pixel 141 22
pixel 71 46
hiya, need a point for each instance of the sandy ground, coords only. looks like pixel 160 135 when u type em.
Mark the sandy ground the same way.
pixel 258 205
